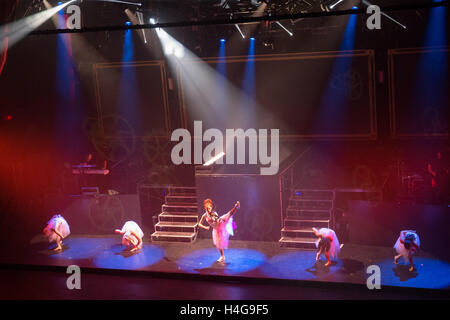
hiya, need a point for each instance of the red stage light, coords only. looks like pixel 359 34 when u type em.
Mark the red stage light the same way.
pixel 8 117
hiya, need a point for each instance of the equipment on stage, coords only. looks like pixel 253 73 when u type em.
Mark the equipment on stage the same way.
pixel 88 169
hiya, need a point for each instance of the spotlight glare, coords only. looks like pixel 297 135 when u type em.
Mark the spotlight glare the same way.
pixel 284 28
pixel 240 31
pixel 222 40
pixel 152 21
pixel 335 4
pixel 214 159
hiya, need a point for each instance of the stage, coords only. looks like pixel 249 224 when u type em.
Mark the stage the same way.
pixel 246 262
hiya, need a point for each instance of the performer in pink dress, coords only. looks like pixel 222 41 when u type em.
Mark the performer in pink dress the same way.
pixel 408 243
pixel 328 244
pixel 222 226
pixel 56 230
pixel 132 235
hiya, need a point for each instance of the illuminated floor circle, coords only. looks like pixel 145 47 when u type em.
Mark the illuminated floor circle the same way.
pixel 81 248
pixel 237 261
pixel 118 257
pixel 429 273
pixel 299 265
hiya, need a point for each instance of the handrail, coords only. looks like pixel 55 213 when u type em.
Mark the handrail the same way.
pixel 294 162
pixel 280 181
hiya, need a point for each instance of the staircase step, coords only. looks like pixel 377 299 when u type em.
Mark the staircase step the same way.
pixel 181 200
pixel 313 194
pixel 182 191
pixel 310 204
pixel 302 223
pixel 179 209
pixel 166 217
pixel 308 214
pixel 163 236
pixel 296 232
pixel 176 226
pixel 302 243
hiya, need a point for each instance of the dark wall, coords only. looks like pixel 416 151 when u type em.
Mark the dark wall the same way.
pixel 379 224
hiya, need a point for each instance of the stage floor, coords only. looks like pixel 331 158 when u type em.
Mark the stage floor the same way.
pixel 245 261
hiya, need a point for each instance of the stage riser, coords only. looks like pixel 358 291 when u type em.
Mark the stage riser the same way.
pixel 297 234
pixel 185 191
pixel 310 204
pixel 179 209
pixel 308 194
pixel 173 239
pixel 298 245
pixel 180 218
pixel 181 200
pixel 308 215
pixel 305 224
pixel 175 229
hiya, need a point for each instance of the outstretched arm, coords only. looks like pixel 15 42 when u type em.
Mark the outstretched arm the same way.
pixel 119 231
pixel 236 206
pixel 200 224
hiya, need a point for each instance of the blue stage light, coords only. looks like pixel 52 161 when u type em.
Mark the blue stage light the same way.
pixel 222 40
pixel 128 23
pixel 252 39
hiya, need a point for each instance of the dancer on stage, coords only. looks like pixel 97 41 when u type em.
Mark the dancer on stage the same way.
pixel 222 226
pixel 56 230
pixel 408 243
pixel 328 244
pixel 131 235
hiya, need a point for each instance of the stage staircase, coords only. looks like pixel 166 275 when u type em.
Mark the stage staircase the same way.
pixel 179 219
pixel 306 209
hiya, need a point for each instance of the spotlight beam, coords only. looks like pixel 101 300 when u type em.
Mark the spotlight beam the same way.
pixel 283 27
pixel 19 29
pixel 240 31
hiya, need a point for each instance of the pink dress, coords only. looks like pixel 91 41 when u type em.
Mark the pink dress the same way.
pixel 222 228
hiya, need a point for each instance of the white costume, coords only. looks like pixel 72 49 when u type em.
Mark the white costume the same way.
pixel 128 237
pixel 58 223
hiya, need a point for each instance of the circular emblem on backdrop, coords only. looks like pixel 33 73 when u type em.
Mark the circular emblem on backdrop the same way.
pixel 106 213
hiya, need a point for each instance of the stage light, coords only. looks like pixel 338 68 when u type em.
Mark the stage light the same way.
pixel 128 23
pixel 19 29
pixel 355 7
pixel 222 40
pixel 240 31
pixel 252 39
pixel 283 27
pixel 214 159
pixel 152 21
pixel 335 4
